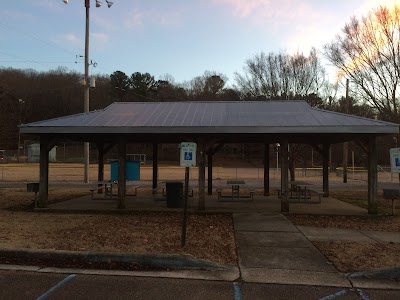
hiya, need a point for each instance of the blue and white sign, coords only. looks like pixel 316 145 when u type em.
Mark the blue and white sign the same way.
pixel 188 154
pixel 395 160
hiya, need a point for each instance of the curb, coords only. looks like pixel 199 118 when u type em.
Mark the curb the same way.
pixel 163 261
pixel 391 273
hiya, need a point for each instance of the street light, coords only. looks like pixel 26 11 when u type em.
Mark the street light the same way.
pixel 86 80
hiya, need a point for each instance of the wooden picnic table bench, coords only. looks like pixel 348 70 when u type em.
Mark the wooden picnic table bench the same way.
pixel 235 194
pixel 108 188
pixel 302 191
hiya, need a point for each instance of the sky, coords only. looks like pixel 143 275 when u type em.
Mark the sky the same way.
pixel 182 38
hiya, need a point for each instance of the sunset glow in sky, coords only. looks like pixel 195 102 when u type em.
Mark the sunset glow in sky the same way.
pixel 183 38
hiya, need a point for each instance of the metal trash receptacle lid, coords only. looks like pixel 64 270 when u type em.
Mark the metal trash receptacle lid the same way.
pixel 391 193
pixel 32 187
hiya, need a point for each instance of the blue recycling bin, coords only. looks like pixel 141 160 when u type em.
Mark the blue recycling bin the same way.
pixel 132 170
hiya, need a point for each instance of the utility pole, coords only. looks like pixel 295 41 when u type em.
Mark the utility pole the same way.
pixel 346 144
pixel 86 88
pixel 86 84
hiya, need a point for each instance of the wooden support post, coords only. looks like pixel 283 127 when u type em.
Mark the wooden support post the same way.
pixel 121 174
pixel 325 169
pixel 284 176
pixel 345 160
pixel 100 172
pixel 210 173
pixel 266 170
pixel 202 177
pixel 43 173
pixel 372 177
pixel 346 144
pixel 155 166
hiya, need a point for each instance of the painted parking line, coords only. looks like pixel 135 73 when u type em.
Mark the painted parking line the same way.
pixel 362 294
pixel 58 285
pixel 334 296
pixel 238 291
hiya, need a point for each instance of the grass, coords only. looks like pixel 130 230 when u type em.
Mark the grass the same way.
pixel 359 197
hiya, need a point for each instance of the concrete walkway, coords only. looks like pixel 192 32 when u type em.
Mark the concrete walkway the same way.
pixel 349 235
pixel 272 250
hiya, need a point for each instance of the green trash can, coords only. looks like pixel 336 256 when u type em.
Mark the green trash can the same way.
pixel 174 194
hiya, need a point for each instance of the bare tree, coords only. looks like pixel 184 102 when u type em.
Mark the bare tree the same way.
pixel 368 53
pixel 281 76
pixel 209 86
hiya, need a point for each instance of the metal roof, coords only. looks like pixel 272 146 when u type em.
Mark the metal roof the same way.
pixel 267 117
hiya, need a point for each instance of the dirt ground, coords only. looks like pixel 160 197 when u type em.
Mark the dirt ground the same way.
pixel 351 256
pixel 209 236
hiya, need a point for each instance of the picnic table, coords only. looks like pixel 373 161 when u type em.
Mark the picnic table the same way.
pixel 234 186
pixel 301 190
pixel 108 187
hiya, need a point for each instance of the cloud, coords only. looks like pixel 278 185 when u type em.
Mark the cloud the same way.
pixel 96 37
pixel 71 38
pixel 303 38
pixel 135 19
pixel 248 9
pixel 306 34
pixel 44 3
pixel 270 15
pixel 139 18
pixel 99 37
pixel 374 4
pixel 244 8
pixel 104 22
pixel 17 15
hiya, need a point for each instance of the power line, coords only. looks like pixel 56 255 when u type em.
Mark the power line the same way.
pixel 35 37
pixel 42 62
pixel 15 56
pixel 10 27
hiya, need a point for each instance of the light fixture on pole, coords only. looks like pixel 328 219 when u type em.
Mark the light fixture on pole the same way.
pixel 86 80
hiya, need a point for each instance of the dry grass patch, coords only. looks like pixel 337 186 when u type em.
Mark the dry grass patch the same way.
pixel 359 197
pixel 374 223
pixel 209 236
pixel 351 257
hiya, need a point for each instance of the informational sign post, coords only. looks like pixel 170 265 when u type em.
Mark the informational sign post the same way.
pixel 188 159
pixel 395 160
pixel 188 154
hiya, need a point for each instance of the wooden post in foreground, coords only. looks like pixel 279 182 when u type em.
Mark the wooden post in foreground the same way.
pixel 284 176
pixel 372 177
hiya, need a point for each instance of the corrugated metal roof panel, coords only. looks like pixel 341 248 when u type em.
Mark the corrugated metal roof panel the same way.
pixel 238 116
